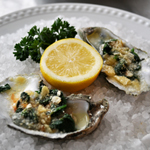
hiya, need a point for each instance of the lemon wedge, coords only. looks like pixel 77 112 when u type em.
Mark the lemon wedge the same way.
pixel 70 64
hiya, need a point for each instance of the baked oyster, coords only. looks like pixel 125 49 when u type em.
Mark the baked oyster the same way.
pixel 38 110
pixel 125 66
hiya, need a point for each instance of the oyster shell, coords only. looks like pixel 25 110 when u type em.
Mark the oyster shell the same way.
pixel 80 106
pixel 133 81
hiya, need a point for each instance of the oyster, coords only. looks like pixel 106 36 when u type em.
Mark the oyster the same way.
pixel 48 112
pixel 125 66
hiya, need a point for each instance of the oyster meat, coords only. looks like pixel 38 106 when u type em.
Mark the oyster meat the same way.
pixel 38 110
pixel 125 66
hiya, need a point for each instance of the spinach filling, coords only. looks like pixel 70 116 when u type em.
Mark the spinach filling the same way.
pixel 64 124
pixel 122 67
pixel 30 113
pixel 44 101
pixel 40 87
pixel 25 97
pixel 107 49
pixel 56 109
pixel 19 109
pixel 4 88
pixel 136 57
pixel 60 120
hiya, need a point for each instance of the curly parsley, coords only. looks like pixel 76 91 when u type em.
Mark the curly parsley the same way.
pixel 36 40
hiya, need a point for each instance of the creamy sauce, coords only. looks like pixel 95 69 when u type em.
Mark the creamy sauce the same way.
pixel 79 111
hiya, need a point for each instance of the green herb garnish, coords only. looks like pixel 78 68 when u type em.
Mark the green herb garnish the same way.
pixel 36 40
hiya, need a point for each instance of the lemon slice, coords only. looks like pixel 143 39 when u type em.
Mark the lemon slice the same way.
pixel 70 64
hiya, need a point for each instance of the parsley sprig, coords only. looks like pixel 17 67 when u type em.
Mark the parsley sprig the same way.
pixel 36 40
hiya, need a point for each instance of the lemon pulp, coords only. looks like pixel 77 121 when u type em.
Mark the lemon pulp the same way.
pixel 70 64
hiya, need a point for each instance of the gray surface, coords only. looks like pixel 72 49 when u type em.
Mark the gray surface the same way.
pixel 140 7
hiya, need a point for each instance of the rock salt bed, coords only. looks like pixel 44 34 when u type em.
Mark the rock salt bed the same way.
pixel 125 126
pixel 146 140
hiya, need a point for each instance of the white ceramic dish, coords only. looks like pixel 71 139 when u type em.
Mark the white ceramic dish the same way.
pixel 13 21
pixel 141 26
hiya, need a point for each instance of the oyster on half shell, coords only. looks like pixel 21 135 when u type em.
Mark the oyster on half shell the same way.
pixel 41 113
pixel 125 66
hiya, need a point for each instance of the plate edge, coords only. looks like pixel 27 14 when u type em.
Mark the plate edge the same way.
pixel 75 7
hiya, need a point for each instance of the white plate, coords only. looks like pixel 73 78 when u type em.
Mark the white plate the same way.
pixel 140 25
pixel 13 21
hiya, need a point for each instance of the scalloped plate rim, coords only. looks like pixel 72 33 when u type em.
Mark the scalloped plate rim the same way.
pixel 9 23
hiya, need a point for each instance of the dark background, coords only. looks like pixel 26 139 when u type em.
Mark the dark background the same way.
pixel 140 7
